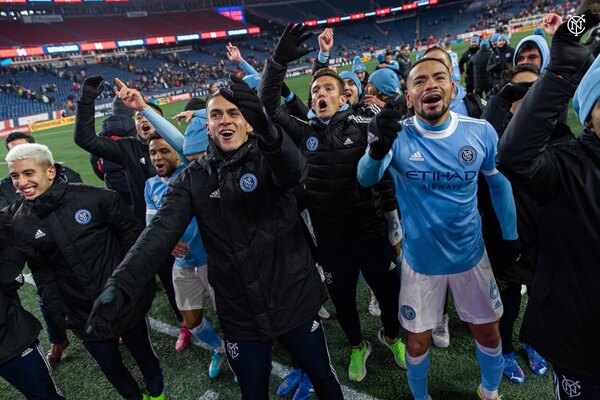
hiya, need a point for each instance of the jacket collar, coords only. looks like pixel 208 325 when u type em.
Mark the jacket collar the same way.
pixel 50 200
pixel 217 159
pixel 337 117
pixel 590 140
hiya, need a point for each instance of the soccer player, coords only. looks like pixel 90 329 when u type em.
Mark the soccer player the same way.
pixel 242 196
pixel 73 236
pixel 434 158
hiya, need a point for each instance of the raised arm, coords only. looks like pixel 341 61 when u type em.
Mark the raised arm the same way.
pixel 325 40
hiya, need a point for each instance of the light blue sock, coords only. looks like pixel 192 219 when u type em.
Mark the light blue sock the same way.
pixel 417 369
pixel 205 333
pixel 491 364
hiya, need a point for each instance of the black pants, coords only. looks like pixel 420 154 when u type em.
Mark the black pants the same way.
pixel 108 356
pixel 250 360
pixel 30 374
pixel 165 274
pixel 569 385
pixel 510 293
pixel 377 264
pixel 56 334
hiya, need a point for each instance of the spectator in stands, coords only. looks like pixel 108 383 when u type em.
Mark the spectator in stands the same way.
pixel 73 236
pixel 213 88
pixel 482 78
pixel 57 336
pixel 500 60
pixel 275 271
pixel 403 59
pixel 466 69
pixel 564 178
pixel 361 224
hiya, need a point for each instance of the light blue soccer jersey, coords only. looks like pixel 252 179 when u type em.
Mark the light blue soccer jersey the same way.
pixel 455 67
pixel 155 189
pixel 435 174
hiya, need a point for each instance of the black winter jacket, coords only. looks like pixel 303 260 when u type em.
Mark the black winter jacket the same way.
pixel 465 66
pixel 564 179
pixel 500 60
pixel 131 153
pixel 405 66
pixel 344 214
pixel 259 264
pixel 73 237
pixel 19 329
pixel 482 79
pixel 9 195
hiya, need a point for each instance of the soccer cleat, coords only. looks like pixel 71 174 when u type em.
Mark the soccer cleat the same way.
pixel 397 349
pixel 512 370
pixel 159 397
pixel 441 333
pixel 235 379
pixel 216 364
pixel 480 395
pixel 305 389
pixel 374 309
pixel 357 370
pixel 323 313
pixel 184 338
pixel 537 363
pixel 56 351
pixel 290 383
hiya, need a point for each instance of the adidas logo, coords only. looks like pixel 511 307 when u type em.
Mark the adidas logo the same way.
pixel 497 305
pixel 392 266
pixel 215 195
pixel 348 141
pixel 315 325
pixel 416 156
pixel 39 234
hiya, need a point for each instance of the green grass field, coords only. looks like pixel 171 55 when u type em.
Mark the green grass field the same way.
pixel 453 376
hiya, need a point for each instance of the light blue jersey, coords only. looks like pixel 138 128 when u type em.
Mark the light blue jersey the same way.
pixel 455 67
pixel 155 189
pixel 435 173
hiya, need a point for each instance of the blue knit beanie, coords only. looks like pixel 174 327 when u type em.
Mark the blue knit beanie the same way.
pixel 358 65
pixel 539 31
pixel 495 37
pixel 485 43
pixel 503 37
pixel 380 58
pixel 352 75
pixel 475 39
pixel 386 81
pixel 588 92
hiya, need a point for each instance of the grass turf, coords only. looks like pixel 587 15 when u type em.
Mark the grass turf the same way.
pixel 453 375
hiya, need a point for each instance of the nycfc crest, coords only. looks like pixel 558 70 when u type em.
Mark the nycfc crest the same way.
pixel 83 216
pixel 248 182
pixel 312 143
pixel 467 155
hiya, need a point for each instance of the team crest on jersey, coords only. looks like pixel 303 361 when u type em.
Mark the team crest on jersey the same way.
pixel 494 293
pixel 83 216
pixel 408 312
pixel 312 143
pixel 467 155
pixel 248 183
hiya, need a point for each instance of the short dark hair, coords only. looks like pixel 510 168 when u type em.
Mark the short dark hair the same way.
pixel 18 135
pixel 438 48
pixel 156 108
pixel 153 136
pixel 210 97
pixel 195 104
pixel 328 72
pixel 403 46
pixel 526 46
pixel 509 73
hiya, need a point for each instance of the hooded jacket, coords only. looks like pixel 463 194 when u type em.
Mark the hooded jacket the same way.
pixel 73 237
pixel 500 60
pixel 541 44
pixel 343 213
pixel 469 104
pixel 564 179
pixel 482 79
pixel 259 264
pixel 131 153
pixel 465 66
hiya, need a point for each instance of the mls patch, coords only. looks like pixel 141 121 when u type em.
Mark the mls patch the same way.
pixel 248 183
pixel 467 155
pixel 312 143
pixel 83 216
pixel 408 312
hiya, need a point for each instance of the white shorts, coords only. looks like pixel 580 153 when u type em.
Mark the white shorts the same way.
pixel 475 293
pixel 191 284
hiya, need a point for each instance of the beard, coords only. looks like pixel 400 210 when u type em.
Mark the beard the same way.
pixel 433 115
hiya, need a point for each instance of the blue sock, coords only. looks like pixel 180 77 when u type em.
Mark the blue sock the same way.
pixel 205 333
pixel 417 369
pixel 491 364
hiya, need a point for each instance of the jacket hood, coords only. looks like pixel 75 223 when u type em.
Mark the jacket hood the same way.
pixel 49 200
pixel 588 92
pixel 542 46
pixel 214 156
pixel 313 116
pixel 459 95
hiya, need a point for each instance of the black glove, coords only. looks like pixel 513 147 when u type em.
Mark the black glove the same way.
pixel 568 57
pixel 383 130
pixel 92 88
pixel 288 48
pixel 106 307
pixel 514 91
pixel 58 312
pixel 285 90
pixel 509 252
pixel 240 94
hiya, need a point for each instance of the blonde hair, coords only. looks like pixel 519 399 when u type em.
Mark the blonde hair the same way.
pixel 39 152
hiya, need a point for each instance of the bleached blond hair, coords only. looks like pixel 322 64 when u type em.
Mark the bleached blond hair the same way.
pixel 39 152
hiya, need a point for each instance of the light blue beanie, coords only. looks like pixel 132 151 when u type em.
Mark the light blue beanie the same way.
pixel 386 81
pixel 588 92
pixel 358 65
pixel 352 75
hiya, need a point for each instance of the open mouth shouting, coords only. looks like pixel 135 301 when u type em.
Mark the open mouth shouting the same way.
pixel 226 134
pixel 322 106
pixel 146 128
pixel 348 95
pixel 160 167
pixel 432 100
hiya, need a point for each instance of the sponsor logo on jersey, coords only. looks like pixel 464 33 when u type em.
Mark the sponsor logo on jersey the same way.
pixel 312 143
pixel 248 183
pixel 83 216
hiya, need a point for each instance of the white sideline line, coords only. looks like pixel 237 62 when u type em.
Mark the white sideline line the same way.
pixel 278 370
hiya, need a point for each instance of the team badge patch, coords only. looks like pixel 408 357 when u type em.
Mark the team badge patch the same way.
pixel 467 155
pixel 83 216
pixel 494 293
pixel 248 183
pixel 233 350
pixel 408 312
pixel 312 143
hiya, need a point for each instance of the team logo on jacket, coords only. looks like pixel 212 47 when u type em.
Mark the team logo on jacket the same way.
pixel 248 182
pixel 570 387
pixel 312 143
pixel 233 350
pixel 467 155
pixel 83 216
pixel 408 312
